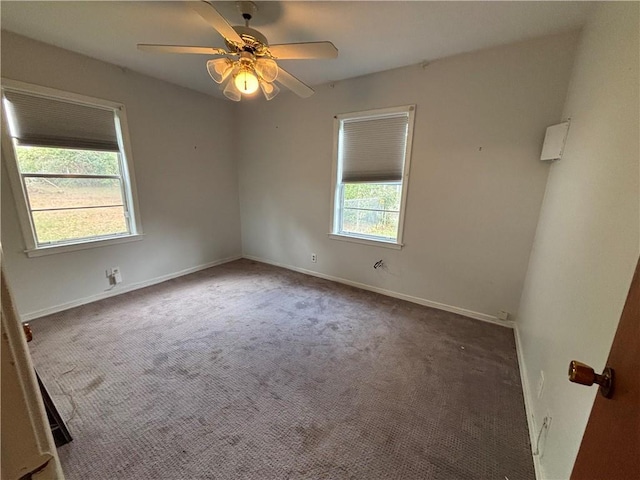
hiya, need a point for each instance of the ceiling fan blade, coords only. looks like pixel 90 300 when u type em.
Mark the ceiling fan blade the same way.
pixel 217 21
pixel 300 51
pixel 147 47
pixel 293 84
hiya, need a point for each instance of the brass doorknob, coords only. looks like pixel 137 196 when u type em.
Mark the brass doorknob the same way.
pixel 585 375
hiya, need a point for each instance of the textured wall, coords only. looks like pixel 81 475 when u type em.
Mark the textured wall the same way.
pixel 587 239
pixel 185 168
pixel 476 182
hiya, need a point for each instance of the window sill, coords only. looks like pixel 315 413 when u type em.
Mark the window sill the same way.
pixel 366 241
pixel 51 250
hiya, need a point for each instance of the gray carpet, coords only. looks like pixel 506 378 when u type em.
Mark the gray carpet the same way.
pixel 247 371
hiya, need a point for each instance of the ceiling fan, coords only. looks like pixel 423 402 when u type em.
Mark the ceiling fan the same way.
pixel 250 62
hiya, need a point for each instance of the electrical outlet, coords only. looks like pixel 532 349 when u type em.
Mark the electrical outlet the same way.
pixel 314 258
pixel 541 384
pixel 116 276
pixel 503 315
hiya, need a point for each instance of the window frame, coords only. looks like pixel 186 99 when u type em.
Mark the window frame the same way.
pixel 337 185
pixel 127 176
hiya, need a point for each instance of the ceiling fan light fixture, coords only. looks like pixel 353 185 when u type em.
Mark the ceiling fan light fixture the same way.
pixel 232 92
pixel 269 90
pixel 219 69
pixel 267 69
pixel 246 81
pixel 249 61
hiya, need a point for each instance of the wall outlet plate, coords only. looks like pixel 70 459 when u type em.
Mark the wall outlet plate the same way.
pixel 314 258
pixel 116 276
pixel 503 315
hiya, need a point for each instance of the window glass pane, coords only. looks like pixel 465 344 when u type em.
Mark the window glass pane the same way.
pixel 378 196
pixel 60 225
pixel 72 192
pixel 370 222
pixel 371 209
pixel 63 160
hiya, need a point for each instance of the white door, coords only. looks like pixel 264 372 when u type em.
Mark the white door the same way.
pixel 27 443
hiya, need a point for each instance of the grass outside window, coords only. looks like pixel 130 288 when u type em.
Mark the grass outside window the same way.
pixel 72 194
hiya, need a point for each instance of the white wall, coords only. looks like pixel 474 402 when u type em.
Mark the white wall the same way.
pixel 476 182
pixel 183 154
pixel 587 241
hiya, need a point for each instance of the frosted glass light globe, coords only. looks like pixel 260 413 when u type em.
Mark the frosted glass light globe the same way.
pixel 246 82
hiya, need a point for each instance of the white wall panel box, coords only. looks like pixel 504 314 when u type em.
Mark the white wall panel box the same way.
pixel 554 141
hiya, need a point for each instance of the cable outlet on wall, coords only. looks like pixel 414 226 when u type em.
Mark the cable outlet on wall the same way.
pixel 503 315
pixel 314 258
pixel 114 275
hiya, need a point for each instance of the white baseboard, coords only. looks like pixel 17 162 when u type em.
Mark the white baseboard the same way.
pixel 390 293
pixel 528 406
pixel 124 289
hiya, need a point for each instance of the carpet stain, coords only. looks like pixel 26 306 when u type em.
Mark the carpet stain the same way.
pixel 93 384
pixel 160 358
pixel 320 304
pixel 311 436
pixel 313 321
pixel 275 395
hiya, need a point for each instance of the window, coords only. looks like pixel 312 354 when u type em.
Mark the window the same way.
pixel 372 154
pixel 70 171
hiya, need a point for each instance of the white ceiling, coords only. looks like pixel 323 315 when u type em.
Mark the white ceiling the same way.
pixel 371 36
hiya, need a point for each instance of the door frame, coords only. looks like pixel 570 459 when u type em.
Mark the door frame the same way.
pixel 28 448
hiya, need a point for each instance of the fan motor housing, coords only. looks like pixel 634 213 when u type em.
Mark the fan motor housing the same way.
pixel 255 42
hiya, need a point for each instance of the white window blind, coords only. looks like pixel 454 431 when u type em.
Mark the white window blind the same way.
pixel 47 122
pixel 373 149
